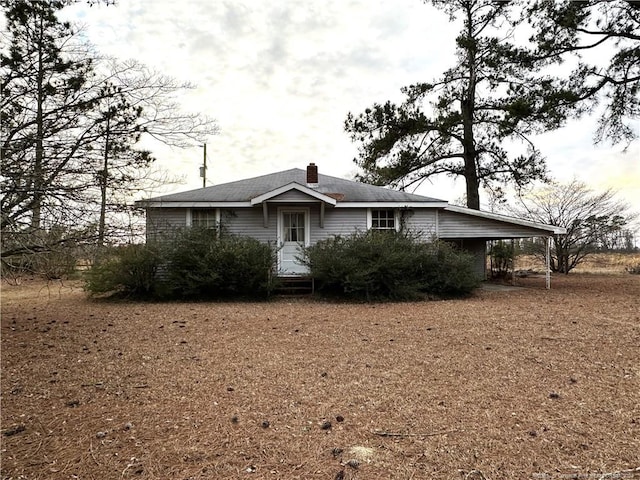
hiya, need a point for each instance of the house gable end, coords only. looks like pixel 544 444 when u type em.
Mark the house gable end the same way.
pixel 280 195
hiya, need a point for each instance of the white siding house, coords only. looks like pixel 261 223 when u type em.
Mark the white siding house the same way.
pixel 300 207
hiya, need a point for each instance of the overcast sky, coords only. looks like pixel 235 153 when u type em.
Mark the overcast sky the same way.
pixel 280 77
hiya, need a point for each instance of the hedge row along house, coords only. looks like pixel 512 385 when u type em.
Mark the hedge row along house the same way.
pixel 300 207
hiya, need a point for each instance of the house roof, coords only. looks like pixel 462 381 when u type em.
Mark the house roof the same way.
pixel 248 189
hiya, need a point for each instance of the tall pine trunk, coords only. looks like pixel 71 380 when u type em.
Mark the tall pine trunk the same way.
pixel 37 181
pixel 104 174
pixel 470 158
pixel 467 110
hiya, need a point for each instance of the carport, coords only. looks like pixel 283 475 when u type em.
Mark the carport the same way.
pixel 472 229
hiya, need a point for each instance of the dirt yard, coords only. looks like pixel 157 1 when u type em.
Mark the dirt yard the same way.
pixel 511 383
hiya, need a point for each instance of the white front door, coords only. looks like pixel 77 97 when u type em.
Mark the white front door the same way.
pixel 294 233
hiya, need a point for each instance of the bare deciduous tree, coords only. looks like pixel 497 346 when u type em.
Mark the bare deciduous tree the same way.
pixel 589 217
pixel 71 123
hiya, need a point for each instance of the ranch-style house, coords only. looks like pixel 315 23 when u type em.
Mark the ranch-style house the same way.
pixel 300 207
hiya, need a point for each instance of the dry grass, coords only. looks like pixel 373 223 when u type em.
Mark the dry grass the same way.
pixel 604 263
pixel 609 262
pixel 506 384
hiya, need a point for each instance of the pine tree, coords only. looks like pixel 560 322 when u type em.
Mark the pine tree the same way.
pixel 119 163
pixel 458 124
pixel 567 30
pixel 45 80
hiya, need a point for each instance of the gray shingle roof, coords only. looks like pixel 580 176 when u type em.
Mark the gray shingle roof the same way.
pixel 245 190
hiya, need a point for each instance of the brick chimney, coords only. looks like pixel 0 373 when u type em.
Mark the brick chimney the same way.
pixel 312 174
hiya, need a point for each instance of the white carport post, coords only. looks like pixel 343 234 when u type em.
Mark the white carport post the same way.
pixel 548 260
pixel 513 261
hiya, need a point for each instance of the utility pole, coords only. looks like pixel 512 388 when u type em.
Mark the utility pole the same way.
pixel 203 168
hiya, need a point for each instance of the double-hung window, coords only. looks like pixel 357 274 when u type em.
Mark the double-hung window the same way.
pixel 383 219
pixel 204 218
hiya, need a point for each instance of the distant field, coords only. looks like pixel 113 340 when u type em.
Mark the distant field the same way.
pixel 597 263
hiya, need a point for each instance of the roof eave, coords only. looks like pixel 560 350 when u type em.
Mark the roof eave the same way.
pixel 189 204
pixel 392 204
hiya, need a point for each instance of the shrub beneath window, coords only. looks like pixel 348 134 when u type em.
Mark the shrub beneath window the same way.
pixel 378 265
pixel 202 264
pixel 193 263
pixel 129 270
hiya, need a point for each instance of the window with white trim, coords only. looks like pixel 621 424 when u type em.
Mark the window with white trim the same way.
pixel 204 218
pixel 383 219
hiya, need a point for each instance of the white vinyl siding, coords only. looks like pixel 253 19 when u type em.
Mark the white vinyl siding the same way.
pixel 420 221
pixel 250 222
pixel 163 221
pixel 457 225
pixel 293 196
pixel 342 221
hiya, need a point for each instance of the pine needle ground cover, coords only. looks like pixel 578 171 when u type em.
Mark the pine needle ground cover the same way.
pixel 510 383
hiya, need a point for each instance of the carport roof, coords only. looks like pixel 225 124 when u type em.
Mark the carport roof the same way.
pixel 544 228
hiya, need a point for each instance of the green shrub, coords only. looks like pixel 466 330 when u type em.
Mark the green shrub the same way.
pixel 387 265
pixel 501 255
pixel 129 270
pixel 447 271
pixel 203 264
pixel 192 263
